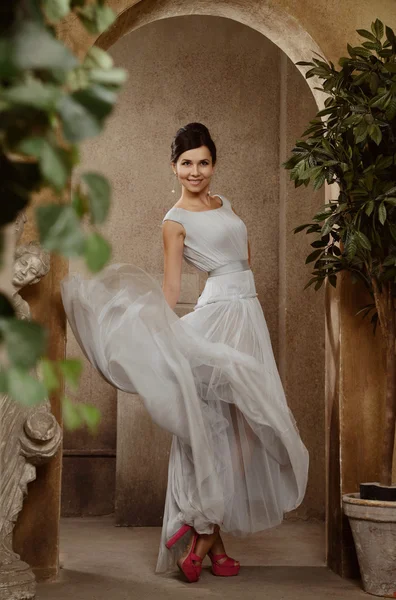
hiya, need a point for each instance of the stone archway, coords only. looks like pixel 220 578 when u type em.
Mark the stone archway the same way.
pixel 350 399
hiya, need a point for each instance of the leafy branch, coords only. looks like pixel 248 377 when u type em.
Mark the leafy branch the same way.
pixel 352 143
pixel 49 103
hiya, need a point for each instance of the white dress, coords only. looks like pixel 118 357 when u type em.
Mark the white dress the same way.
pixel 210 378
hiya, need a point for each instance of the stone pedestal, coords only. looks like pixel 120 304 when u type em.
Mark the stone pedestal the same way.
pixel 30 437
pixel 17 581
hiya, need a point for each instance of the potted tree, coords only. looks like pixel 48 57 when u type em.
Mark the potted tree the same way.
pixel 352 143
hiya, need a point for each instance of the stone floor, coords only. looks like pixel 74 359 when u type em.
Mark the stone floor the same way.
pixel 103 562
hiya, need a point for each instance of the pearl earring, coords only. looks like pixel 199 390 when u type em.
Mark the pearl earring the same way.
pixel 174 184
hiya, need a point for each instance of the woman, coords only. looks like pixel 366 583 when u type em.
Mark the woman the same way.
pixel 237 463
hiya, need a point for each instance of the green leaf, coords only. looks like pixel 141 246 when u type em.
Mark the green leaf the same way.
pixel 382 101
pixel 351 247
pixel 310 282
pixel 301 228
pixel 7 310
pixel 3 382
pixel 78 122
pixel 105 17
pixel 377 46
pixel 361 132
pixel 108 76
pixel 25 341
pixel 52 161
pixel 96 57
pixel 390 66
pixel 99 196
pixel 391 109
pixel 97 100
pixel 90 415
pixel 383 162
pixel 49 375
pixel 313 256
pixel 366 34
pixel 363 52
pixel 390 261
pixel 369 207
pixel 333 280
pixel 8 68
pixel 375 134
pixel 59 229
pixel 311 173
pixel 382 213
pixel 363 239
pixel 79 203
pixel 96 18
pixel 390 35
pixel 71 370
pixel 322 243
pixel 387 53
pixel 378 29
pixel 24 388
pixel 71 416
pixel 374 82
pixel 55 10
pixel 392 229
pixel 35 48
pixel 322 216
pixel 97 252
pixel 319 180
pixel 32 92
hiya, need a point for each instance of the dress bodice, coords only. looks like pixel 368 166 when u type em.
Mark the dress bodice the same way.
pixel 213 238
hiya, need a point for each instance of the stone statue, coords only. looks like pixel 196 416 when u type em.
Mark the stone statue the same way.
pixel 31 264
pixel 29 436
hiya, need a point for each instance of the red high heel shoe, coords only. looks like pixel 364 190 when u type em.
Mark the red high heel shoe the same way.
pixel 179 534
pixel 226 568
pixel 191 565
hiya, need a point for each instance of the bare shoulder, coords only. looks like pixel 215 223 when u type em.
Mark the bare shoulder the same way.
pixel 172 228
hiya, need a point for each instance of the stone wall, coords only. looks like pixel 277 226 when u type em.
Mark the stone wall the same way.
pixel 255 103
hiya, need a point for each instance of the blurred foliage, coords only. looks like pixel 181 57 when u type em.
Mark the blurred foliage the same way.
pixel 49 103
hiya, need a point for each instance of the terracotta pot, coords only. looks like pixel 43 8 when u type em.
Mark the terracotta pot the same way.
pixel 373 524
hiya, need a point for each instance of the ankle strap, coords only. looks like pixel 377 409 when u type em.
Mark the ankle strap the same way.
pixel 196 558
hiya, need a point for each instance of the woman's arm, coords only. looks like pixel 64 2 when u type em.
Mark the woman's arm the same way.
pixel 173 239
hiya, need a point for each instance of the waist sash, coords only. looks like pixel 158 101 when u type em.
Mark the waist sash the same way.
pixel 232 267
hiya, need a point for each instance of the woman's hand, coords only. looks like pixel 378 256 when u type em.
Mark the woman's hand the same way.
pixel 173 239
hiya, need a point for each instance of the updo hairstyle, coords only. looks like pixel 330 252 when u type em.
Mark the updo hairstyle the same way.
pixel 189 137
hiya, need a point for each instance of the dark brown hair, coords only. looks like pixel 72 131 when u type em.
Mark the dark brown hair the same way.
pixel 189 137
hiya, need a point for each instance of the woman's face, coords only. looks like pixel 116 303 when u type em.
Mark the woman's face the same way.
pixel 27 270
pixel 194 169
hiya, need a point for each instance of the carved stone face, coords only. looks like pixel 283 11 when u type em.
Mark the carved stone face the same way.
pixel 28 269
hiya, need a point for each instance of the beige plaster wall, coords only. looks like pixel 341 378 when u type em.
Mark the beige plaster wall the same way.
pixel 298 27
pixel 256 104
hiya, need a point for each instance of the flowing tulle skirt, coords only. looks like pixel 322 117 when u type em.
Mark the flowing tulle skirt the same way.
pixel 209 378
